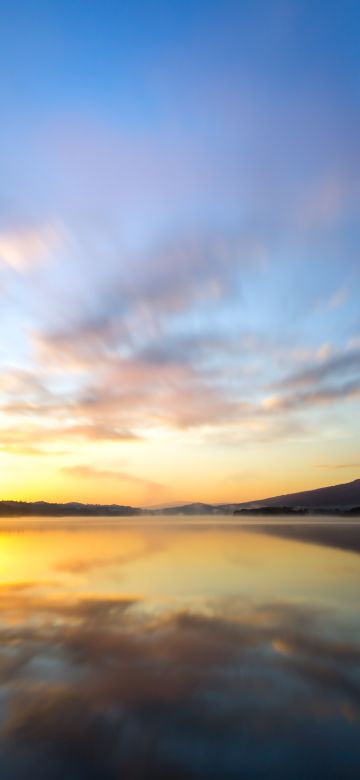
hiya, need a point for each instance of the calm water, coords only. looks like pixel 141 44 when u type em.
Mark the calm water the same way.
pixel 179 649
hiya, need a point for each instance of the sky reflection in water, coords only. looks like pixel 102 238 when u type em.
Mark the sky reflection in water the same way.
pixel 187 650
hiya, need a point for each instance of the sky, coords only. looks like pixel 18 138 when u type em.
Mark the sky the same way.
pixel 179 249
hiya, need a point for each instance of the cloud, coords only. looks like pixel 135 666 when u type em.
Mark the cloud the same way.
pixel 331 466
pixel 338 298
pixel 24 384
pixel 327 200
pixel 80 346
pixel 333 377
pixel 340 364
pixel 149 394
pixel 323 396
pixel 98 432
pixel 26 249
pixel 140 296
pixel 147 344
pixel 175 384
pixel 39 438
pixel 101 688
pixel 88 472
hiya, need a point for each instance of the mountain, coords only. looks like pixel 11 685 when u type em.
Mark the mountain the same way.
pixel 334 498
pixel 166 505
pixel 71 509
pixel 196 508
pixel 337 498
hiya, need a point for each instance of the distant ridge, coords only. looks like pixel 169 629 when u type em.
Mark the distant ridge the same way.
pixel 336 498
pixel 195 508
pixel 344 498
pixel 70 509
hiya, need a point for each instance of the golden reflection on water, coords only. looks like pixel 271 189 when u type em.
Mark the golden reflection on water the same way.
pixel 164 560
pixel 178 649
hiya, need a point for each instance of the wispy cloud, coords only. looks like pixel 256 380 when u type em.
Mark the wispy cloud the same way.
pixel 343 363
pixel 87 471
pixel 29 247
pixel 331 466
pixel 338 298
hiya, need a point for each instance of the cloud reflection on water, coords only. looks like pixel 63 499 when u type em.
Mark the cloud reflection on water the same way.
pixel 103 685
pixel 184 695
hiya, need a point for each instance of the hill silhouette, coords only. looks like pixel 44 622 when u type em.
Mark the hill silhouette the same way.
pixel 344 498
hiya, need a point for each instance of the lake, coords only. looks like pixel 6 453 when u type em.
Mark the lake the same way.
pixel 179 648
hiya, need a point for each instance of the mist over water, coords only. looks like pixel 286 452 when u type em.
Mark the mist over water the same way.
pixel 179 649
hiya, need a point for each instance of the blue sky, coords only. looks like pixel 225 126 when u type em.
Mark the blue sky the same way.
pixel 179 248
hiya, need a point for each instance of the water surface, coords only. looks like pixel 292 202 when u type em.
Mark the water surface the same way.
pixel 179 649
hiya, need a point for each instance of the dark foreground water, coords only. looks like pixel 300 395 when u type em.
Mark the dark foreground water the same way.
pixel 179 650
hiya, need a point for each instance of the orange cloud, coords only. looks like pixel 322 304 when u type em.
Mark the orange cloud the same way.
pixel 28 248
